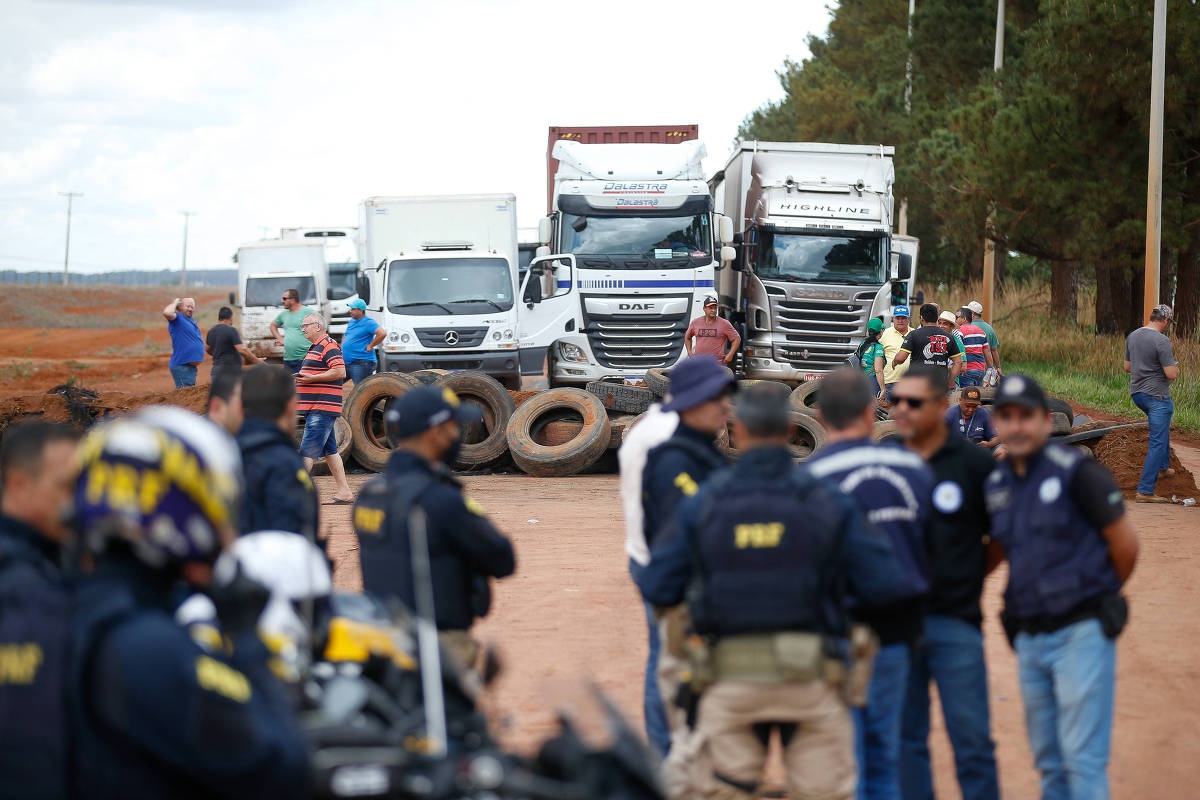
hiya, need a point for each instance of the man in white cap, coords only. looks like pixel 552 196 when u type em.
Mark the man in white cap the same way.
pixel 992 340
pixel 1152 366
pixel 710 333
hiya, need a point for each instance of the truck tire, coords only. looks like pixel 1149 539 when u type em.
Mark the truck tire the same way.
pixel 567 458
pixel 429 375
pixel 808 437
pixel 885 431
pixel 621 398
pixel 486 442
pixel 804 397
pixel 1060 424
pixel 371 447
pixel 341 433
pixel 621 425
pixel 1057 404
pixel 658 380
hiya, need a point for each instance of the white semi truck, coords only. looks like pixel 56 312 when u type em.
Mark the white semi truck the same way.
pixel 341 259
pixel 816 257
pixel 266 269
pixel 637 222
pixel 440 275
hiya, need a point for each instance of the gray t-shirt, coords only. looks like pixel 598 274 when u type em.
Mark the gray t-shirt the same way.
pixel 1148 351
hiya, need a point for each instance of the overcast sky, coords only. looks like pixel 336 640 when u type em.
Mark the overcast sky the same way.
pixel 259 114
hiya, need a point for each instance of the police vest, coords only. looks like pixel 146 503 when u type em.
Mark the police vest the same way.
pixel 1057 559
pixel 766 553
pixel 35 619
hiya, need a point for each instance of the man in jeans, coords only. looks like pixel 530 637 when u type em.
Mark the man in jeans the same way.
pixel 319 401
pixel 362 336
pixel 292 338
pixel 950 651
pixel 1151 365
pixel 1059 519
pixel 187 346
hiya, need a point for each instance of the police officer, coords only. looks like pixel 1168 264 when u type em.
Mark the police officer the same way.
pixel 1059 519
pixel 465 549
pixel 37 471
pixel 950 651
pixel 279 491
pixel 762 553
pixel 893 487
pixel 700 394
pixel 152 714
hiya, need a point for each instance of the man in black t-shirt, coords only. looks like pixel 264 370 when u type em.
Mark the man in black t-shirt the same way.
pixel 225 345
pixel 929 344
pixel 950 652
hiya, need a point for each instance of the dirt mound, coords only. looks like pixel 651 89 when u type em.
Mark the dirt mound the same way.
pixel 83 407
pixel 1124 453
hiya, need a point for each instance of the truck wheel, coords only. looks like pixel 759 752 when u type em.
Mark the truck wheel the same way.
pixel 371 447
pixel 1057 404
pixel 621 425
pixel 1060 423
pixel 885 431
pixel 341 433
pixel 567 458
pixel 804 397
pixel 658 380
pixel 486 442
pixel 619 397
pixel 429 375
pixel 808 437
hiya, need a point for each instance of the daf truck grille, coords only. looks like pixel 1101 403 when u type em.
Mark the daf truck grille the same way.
pixel 819 334
pixel 635 342
pixel 451 337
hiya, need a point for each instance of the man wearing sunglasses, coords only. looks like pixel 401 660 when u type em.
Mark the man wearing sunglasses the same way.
pixel 950 650
pixel 295 343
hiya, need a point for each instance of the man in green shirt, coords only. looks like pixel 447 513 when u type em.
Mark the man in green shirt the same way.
pixel 295 344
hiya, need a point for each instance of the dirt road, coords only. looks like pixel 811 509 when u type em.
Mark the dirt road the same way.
pixel 571 608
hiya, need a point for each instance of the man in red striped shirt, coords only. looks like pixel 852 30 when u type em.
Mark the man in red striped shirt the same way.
pixel 319 401
pixel 978 356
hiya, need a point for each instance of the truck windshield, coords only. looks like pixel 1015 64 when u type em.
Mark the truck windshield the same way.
pixel 637 242
pixel 820 258
pixel 432 287
pixel 268 291
pixel 342 280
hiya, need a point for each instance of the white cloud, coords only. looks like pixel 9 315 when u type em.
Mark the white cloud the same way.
pixel 261 115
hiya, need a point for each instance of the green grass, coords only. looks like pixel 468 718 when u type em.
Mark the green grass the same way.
pixel 1073 361
pixel 15 372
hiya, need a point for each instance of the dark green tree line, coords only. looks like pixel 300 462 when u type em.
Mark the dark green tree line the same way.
pixel 1054 145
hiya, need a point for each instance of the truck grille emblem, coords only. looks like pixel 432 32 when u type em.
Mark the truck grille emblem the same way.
pixel 451 338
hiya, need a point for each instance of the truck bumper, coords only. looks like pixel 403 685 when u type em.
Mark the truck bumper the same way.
pixel 502 365
pixel 759 363
pixel 579 373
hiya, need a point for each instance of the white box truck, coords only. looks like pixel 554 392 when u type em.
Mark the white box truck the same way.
pixel 341 259
pixel 440 275
pixel 816 254
pixel 637 221
pixel 266 269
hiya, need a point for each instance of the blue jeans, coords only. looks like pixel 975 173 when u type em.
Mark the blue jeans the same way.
pixel 657 730
pixel 1158 453
pixel 1068 680
pixel 970 379
pixel 877 726
pixel 359 371
pixel 294 366
pixel 319 439
pixel 951 654
pixel 184 375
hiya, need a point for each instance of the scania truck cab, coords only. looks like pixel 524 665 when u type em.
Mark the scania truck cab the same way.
pixel 637 222
pixel 816 255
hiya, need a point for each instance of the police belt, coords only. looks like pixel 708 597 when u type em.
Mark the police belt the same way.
pixel 783 657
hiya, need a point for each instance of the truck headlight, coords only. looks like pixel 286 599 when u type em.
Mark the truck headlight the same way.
pixel 405 337
pixel 508 334
pixel 496 335
pixel 393 336
pixel 571 352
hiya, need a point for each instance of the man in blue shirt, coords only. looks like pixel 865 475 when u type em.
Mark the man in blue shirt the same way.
pixel 187 345
pixel 362 336
pixel 971 420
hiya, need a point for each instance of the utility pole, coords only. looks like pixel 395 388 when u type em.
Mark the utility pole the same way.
pixel 1154 172
pixel 183 267
pixel 67 255
pixel 989 246
pixel 902 225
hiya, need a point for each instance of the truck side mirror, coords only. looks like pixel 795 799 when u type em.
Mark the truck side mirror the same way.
pixel 363 287
pixel 329 294
pixel 545 230
pixel 232 299
pixel 728 254
pixel 725 229
pixel 902 266
pixel 533 289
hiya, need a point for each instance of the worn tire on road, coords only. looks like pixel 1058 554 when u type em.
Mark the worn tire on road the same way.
pixel 617 397
pixel 804 397
pixel 658 380
pixel 1060 423
pixel 567 458
pixel 621 424
pixel 487 442
pixel 364 411
pixel 885 431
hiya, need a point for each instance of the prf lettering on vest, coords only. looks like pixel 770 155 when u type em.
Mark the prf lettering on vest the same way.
pixel 368 520
pixel 685 484
pixel 222 679
pixel 19 663
pixel 758 535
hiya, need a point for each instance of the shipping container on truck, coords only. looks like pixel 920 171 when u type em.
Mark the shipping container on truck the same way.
pixel 611 134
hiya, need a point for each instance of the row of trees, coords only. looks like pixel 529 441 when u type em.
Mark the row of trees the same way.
pixel 1054 145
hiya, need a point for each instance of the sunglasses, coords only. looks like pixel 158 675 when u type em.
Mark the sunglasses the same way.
pixel 911 402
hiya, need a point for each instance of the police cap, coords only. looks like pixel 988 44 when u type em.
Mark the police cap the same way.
pixel 425 407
